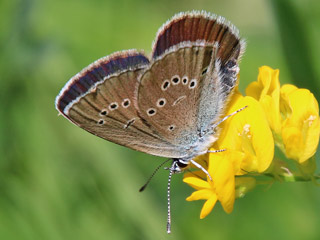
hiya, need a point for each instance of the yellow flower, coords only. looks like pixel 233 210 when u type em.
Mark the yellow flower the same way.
pixel 301 124
pixel 222 187
pixel 292 113
pixel 267 91
pixel 248 134
pixel 249 146
pixel 286 116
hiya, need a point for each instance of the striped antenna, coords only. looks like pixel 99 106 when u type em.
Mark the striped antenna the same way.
pixel 169 198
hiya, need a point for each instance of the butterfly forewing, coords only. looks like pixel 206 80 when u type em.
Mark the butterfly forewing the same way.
pixel 106 106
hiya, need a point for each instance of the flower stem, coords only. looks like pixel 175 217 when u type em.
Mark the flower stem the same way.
pixel 292 177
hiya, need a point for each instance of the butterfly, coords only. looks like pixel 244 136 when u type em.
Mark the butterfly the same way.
pixel 169 104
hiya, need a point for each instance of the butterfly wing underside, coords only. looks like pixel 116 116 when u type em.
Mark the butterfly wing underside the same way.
pixel 100 99
pixel 194 69
pixel 165 105
pixel 170 89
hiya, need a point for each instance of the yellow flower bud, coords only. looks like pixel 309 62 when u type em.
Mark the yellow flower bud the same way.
pixel 244 185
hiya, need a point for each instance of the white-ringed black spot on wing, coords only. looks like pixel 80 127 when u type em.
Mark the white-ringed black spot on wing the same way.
pixel 151 112
pixel 204 71
pixel 165 85
pixel 175 80
pixel 161 102
pixel 113 106
pixel 126 103
pixel 171 128
pixel 101 122
pixel 193 83
pixel 104 112
pixel 185 80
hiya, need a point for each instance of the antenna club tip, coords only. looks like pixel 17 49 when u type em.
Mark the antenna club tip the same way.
pixel 168 228
pixel 142 188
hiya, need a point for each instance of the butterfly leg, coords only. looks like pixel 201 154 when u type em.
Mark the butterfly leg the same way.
pixel 201 168
pixel 216 151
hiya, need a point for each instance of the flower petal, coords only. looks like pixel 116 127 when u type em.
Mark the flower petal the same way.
pixel 196 182
pixel 203 194
pixel 266 84
pixel 267 91
pixel 254 90
pixel 222 171
pixel 248 131
pixel 286 89
pixel 208 206
pixel 200 174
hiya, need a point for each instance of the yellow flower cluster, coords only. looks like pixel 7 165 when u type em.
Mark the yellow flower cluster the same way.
pixel 292 113
pixel 286 116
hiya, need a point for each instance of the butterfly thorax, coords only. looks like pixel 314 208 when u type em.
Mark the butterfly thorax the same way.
pixel 198 148
pixel 201 144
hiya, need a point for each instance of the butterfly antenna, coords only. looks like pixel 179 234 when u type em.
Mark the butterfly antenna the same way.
pixel 154 172
pixel 169 198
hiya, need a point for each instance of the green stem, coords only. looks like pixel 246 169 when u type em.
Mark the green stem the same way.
pixel 293 178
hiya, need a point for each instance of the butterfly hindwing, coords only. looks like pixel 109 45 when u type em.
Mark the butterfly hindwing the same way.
pixel 204 48
pixel 200 25
pixel 170 89
pixel 196 25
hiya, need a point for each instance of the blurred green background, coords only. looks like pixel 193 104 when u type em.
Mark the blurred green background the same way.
pixel 60 182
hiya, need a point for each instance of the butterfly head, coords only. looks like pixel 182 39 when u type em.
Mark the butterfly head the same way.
pixel 178 165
